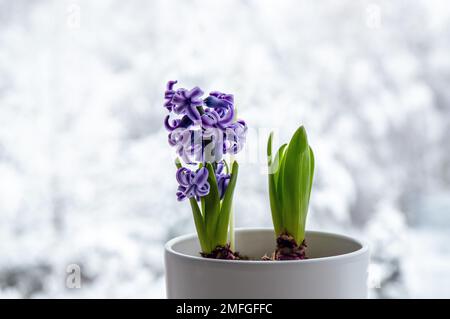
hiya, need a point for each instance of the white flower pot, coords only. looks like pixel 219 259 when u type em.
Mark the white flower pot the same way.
pixel 336 268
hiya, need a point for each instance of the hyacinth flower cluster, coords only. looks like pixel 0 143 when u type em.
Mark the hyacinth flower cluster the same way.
pixel 291 172
pixel 204 132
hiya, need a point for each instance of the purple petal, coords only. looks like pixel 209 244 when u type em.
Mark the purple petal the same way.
pixel 225 99
pixel 169 94
pixel 219 168
pixel 214 102
pixel 184 176
pixel 229 98
pixel 222 183
pixel 195 93
pixel 226 182
pixel 171 126
pixel 179 97
pixel 193 113
pixel 203 190
pixel 227 118
pixel 215 93
pixel 170 84
pixel 210 118
pixel 201 176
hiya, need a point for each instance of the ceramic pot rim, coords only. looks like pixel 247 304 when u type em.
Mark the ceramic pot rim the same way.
pixel 363 250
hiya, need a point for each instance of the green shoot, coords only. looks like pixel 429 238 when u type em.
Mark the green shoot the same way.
pixel 290 179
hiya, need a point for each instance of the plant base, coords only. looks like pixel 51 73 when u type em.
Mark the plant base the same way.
pixel 288 249
pixel 223 252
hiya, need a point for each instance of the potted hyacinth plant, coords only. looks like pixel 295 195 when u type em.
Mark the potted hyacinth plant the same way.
pixel 206 134
pixel 204 131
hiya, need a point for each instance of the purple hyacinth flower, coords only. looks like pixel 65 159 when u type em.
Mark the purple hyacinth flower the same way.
pixel 192 184
pixel 223 179
pixel 186 102
pixel 213 144
pixel 202 136
pixel 219 100
pixel 172 125
pixel 168 95
pixel 235 136
pixel 188 144
pixel 220 118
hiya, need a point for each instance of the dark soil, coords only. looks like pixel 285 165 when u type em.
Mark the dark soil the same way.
pixel 288 249
pixel 224 252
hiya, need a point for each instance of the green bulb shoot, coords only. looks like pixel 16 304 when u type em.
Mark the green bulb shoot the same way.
pixel 291 172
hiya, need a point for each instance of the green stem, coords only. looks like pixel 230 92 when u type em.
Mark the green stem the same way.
pixel 225 210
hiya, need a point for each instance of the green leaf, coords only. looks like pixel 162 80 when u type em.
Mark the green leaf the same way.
pixel 279 168
pixel 200 226
pixel 307 193
pixel 281 158
pixel 211 203
pixel 295 181
pixel 227 168
pixel 305 190
pixel 269 150
pixel 273 168
pixel 311 171
pixel 227 202
pixel 203 206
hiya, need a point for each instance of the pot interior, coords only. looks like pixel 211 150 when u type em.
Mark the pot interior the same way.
pixel 254 243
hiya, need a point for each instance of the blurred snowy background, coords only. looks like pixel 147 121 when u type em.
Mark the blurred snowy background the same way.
pixel 86 175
